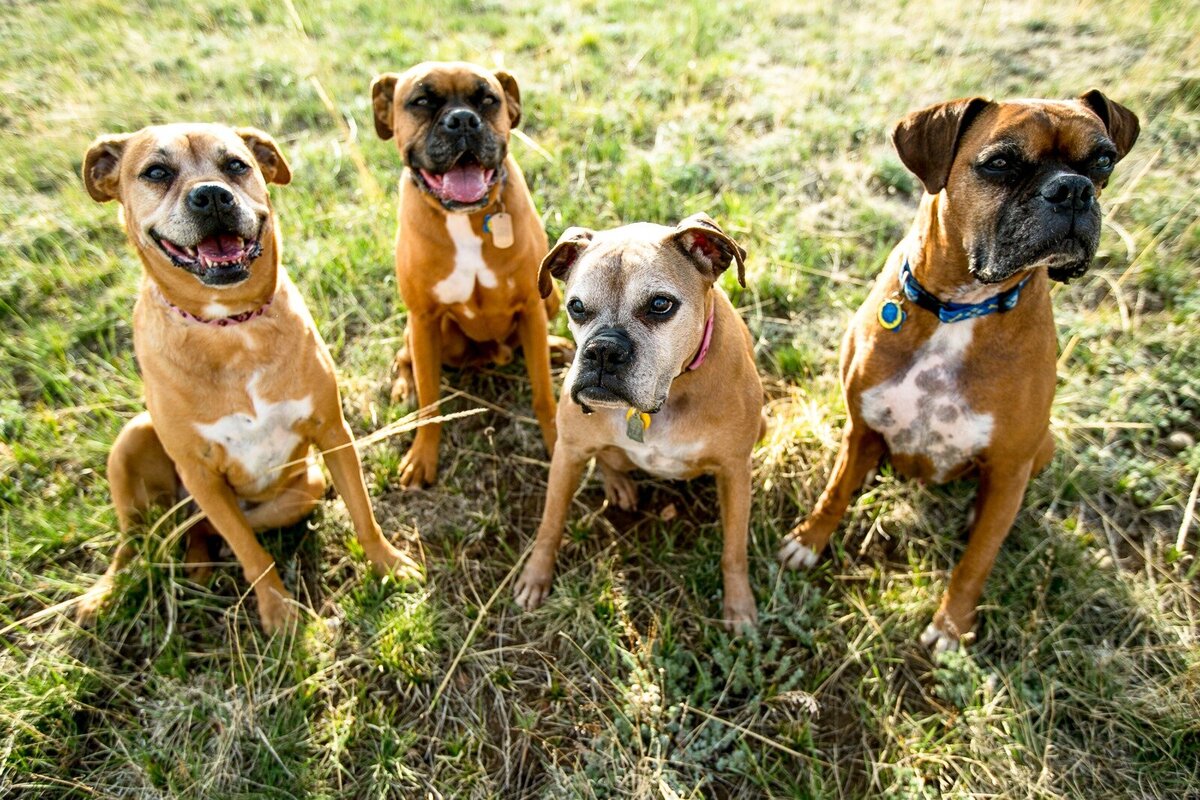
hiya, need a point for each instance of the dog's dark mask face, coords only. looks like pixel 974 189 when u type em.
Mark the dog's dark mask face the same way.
pixel 451 123
pixel 1025 178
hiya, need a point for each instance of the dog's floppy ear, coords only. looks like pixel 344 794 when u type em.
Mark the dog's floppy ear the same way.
pixel 1122 124
pixel 711 248
pixel 102 166
pixel 512 96
pixel 383 94
pixel 270 160
pixel 927 140
pixel 558 262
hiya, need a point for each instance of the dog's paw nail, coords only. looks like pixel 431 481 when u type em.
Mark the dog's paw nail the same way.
pixel 277 611
pixel 741 621
pixel 90 604
pixel 937 640
pixel 528 597
pixel 794 554
pixel 530 591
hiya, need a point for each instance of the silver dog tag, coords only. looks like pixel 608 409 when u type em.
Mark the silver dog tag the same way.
pixel 500 226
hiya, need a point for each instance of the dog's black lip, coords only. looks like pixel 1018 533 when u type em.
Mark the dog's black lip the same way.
pixel 599 392
pixel 1058 246
pixel 596 392
pixel 220 275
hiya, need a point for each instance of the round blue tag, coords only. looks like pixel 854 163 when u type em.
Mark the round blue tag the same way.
pixel 891 315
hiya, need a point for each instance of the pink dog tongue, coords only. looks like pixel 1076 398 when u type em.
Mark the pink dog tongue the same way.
pixel 221 247
pixel 464 184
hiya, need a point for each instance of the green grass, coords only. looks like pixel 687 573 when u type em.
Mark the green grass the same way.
pixel 772 117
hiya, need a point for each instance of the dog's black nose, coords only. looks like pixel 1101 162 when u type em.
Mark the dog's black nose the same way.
pixel 210 198
pixel 608 350
pixel 461 120
pixel 1069 193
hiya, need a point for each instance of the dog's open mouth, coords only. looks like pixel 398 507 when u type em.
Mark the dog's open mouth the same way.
pixel 217 259
pixel 466 183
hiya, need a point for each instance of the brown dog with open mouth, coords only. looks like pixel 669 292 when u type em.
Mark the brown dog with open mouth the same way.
pixel 469 241
pixel 239 384
pixel 948 367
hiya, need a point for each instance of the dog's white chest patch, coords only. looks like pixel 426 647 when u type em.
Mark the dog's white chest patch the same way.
pixel 663 453
pixel 922 411
pixel 469 266
pixel 263 440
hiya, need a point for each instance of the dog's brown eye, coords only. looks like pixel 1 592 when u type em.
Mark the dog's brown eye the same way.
pixel 1103 163
pixel 489 100
pixel 157 173
pixel 661 305
pixel 575 307
pixel 997 164
pixel 235 166
pixel 423 102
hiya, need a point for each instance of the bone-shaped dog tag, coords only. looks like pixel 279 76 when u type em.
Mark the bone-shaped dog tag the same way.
pixel 500 227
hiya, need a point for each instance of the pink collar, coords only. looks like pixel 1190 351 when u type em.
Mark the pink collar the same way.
pixel 219 322
pixel 705 342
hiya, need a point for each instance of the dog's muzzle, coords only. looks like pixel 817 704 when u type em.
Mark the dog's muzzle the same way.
pixel 602 365
pixel 460 161
pixel 226 239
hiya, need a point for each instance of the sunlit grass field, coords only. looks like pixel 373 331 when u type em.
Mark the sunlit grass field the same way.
pixel 772 117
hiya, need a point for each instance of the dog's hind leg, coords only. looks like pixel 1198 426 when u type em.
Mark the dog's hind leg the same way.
pixel 141 476
pixel 404 385
pixel 619 489
pixel 294 502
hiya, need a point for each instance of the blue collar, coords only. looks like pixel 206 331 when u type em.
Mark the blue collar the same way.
pixel 957 312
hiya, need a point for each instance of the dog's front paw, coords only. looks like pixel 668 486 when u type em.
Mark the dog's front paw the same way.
pixel 419 467
pixel 741 614
pixel 534 584
pixel 938 640
pixel 943 635
pixel 388 560
pixel 88 607
pixel 795 554
pixel 276 609
pixel 620 490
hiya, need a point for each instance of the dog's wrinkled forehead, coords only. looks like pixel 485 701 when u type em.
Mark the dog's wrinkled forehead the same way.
pixel 186 148
pixel 1038 130
pixel 635 256
pixel 448 79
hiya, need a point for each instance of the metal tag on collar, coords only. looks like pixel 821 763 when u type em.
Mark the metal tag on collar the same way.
pixel 499 225
pixel 636 425
pixel 891 313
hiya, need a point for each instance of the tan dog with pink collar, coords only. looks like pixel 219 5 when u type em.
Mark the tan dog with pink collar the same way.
pixel 664 382
pixel 239 384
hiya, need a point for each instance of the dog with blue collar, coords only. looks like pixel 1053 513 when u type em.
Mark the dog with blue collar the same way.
pixel 948 368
